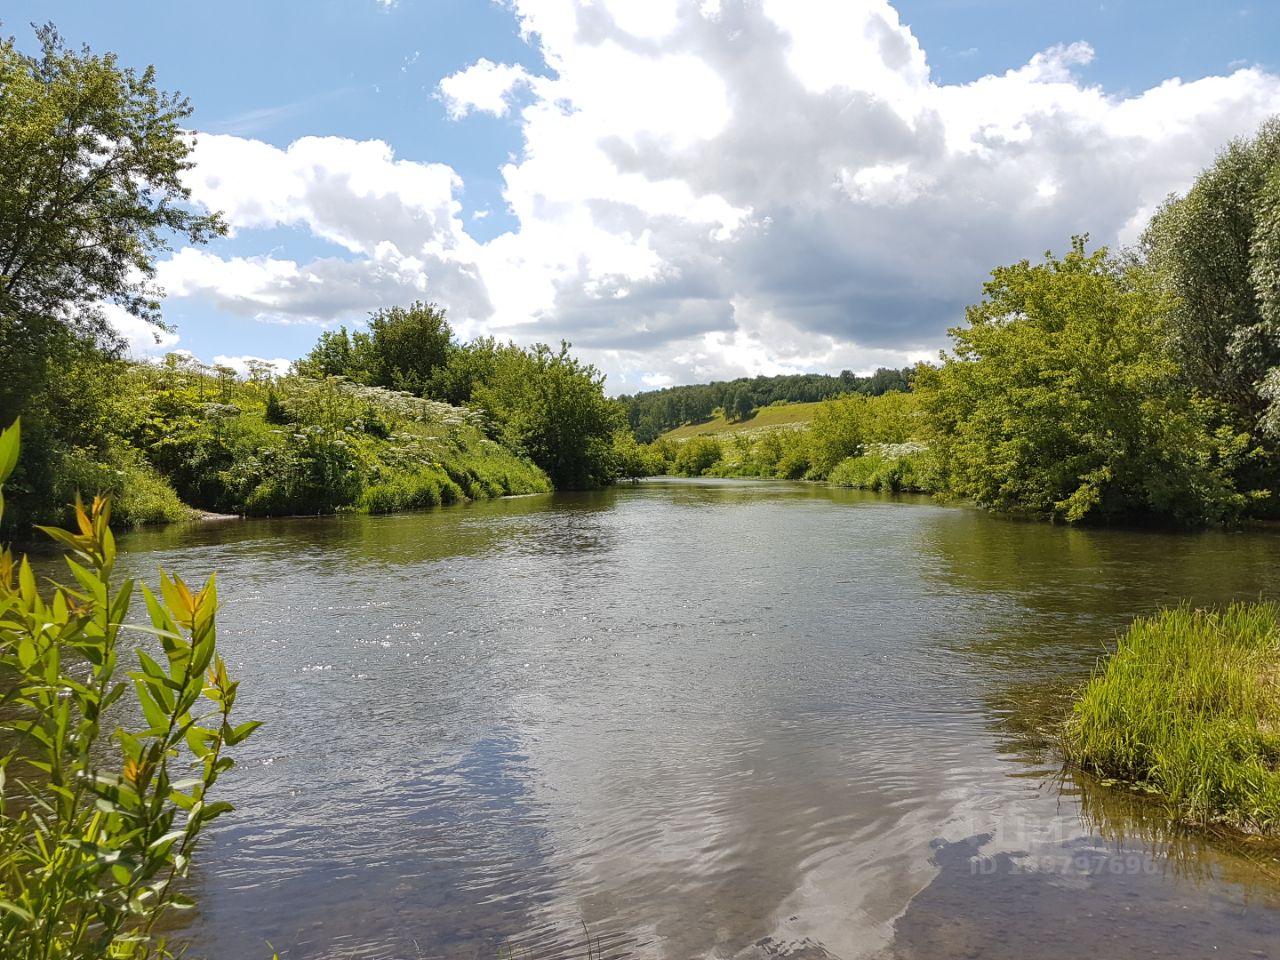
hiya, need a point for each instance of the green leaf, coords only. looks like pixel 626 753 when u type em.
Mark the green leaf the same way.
pixel 241 732
pixel 8 906
pixel 10 441
pixel 155 714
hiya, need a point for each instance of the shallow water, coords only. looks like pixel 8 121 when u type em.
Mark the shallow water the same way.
pixel 718 718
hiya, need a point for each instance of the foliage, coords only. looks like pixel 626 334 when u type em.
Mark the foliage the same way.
pixel 837 432
pixel 1188 707
pixel 1060 400
pixel 905 467
pixel 552 406
pixel 402 350
pixel 739 406
pixel 77 440
pixel 839 428
pixel 92 849
pixel 91 163
pixel 1217 250
pixel 697 455
pixel 138 494
pixel 330 445
pixel 632 459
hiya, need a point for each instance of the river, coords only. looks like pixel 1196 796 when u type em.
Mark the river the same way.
pixel 695 719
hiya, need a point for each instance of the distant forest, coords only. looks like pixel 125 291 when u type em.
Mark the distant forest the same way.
pixel 653 412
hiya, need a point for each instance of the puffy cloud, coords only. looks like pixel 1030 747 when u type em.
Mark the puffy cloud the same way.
pixel 484 86
pixel 709 188
pixel 141 339
pixel 398 221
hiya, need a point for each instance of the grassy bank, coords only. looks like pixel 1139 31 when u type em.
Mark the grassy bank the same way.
pixel 781 416
pixel 1188 706
pixel 177 438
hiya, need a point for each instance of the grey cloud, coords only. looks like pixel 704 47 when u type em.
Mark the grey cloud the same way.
pixel 333 289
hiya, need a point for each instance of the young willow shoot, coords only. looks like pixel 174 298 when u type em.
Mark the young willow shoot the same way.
pixel 97 830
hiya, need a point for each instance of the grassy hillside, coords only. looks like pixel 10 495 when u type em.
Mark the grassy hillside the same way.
pixel 784 416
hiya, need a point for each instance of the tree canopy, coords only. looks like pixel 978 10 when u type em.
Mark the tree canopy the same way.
pixel 1217 251
pixel 403 349
pixel 1061 399
pixel 91 162
pixel 91 158
pixel 552 406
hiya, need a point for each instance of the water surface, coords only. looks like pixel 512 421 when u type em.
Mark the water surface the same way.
pixel 704 719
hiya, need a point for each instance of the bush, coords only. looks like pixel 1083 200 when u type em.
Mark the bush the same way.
pixel 94 840
pixel 137 492
pixel 907 467
pixel 697 455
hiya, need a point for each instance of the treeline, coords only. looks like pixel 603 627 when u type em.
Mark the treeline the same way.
pixel 1143 384
pixel 653 412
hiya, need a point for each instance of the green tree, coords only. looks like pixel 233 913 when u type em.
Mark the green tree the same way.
pixel 697 455
pixel 407 345
pixel 1217 251
pixel 838 431
pixel 332 356
pixel 405 348
pixel 1061 399
pixel 552 406
pixel 91 160
pixel 467 366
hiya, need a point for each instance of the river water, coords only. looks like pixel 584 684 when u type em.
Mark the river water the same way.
pixel 696 719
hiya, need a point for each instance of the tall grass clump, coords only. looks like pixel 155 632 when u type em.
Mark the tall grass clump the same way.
pixel 1189 706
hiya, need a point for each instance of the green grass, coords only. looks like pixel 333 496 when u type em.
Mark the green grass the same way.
pixel 908 467
pixel 791 416
pixel 1189 707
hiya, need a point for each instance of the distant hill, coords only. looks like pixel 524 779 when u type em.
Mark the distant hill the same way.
pixel 655 412
pixel 783 416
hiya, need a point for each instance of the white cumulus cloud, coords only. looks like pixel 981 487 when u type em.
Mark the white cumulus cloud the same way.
pixel 714 188
pixel 484 86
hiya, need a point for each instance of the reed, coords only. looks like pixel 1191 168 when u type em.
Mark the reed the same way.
pixel 1188 706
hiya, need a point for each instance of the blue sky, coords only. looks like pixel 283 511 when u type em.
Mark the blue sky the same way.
pixel 683 189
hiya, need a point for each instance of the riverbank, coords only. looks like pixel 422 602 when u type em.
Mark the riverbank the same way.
pixel 1188 707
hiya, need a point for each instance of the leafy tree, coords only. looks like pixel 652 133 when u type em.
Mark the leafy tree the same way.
pixel 740 405
pixel 467 367
pixel 332 356
pixel 552 406
pixel 402 350
pixel 91 159
pixel 1217 250
pixel 838 431
pixel 697 455
pixel 1060 399
pixel 408 344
